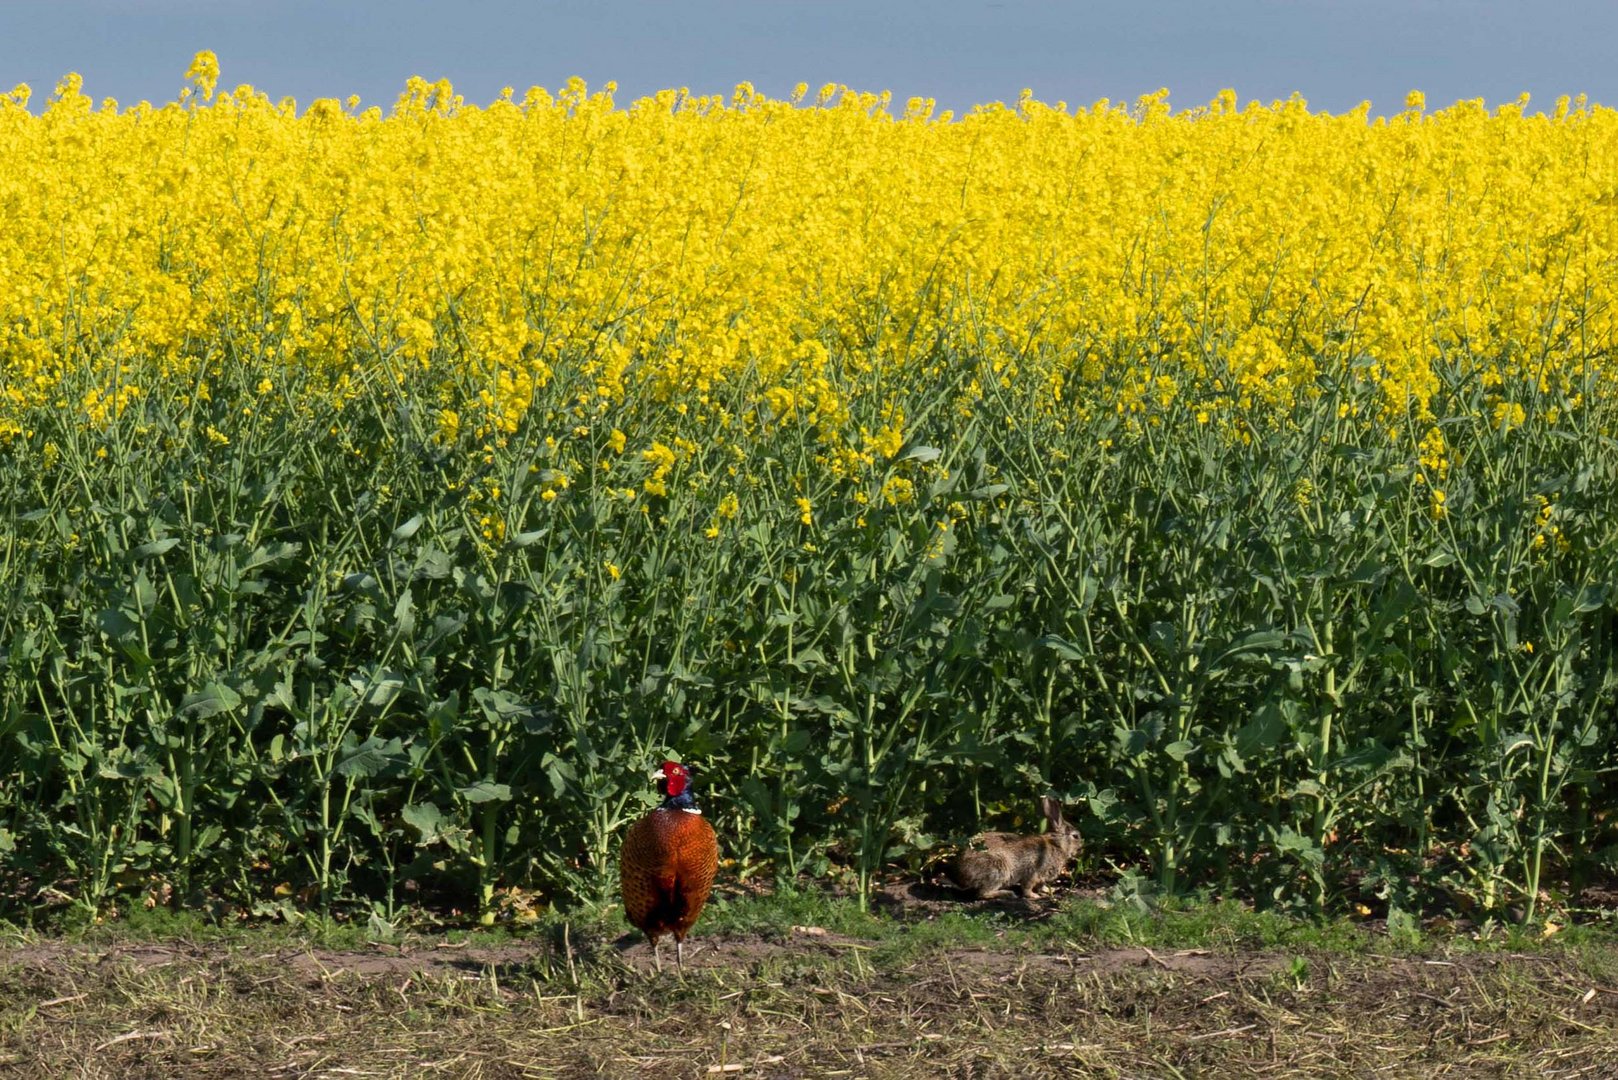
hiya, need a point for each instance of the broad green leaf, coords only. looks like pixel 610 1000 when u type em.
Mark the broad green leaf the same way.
pixel 1061 647
pixel 502 708
pixel 425 818
pixel 370 758
pixel 377 690
pixel 115 624
pixel 269 553
pixel 155 548
pixel 485 791
pixel 1590 598
pixel 1180 749
pixel 211 700
pixel 404 616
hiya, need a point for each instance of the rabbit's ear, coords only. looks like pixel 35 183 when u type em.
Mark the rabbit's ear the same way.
pixel 1052 809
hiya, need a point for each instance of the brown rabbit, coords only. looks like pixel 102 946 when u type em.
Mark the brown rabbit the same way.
pixel 994 862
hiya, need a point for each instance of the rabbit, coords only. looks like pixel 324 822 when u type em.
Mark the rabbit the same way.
pixel 993 863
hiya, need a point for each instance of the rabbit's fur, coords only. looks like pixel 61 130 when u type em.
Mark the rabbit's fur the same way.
pixel 993 863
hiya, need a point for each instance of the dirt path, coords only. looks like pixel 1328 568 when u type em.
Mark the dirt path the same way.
pixel 804 1003
pixel 732 953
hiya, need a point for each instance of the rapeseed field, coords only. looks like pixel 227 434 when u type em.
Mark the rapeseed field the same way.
pixel 385 489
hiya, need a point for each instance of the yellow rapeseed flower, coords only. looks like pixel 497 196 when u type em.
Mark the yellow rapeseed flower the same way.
pixel 560 258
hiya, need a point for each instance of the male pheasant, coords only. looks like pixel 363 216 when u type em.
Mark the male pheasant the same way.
pixel 667 865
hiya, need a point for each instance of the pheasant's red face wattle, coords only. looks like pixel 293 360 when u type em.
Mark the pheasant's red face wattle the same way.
pixel 675 779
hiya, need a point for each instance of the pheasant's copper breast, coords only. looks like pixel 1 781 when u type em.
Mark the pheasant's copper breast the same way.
pixel 666 871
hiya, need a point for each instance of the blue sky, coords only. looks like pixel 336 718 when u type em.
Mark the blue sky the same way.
pixel 1335 53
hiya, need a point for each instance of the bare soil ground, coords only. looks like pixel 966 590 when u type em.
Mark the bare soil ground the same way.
pixel 806 1002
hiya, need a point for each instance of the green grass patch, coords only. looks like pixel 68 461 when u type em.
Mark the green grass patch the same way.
pixel 1222 926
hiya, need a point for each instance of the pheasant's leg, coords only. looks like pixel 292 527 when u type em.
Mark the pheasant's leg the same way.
pixel 679 954
pixel 657 957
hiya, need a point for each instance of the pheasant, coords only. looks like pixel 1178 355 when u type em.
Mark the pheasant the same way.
pixel 667 865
